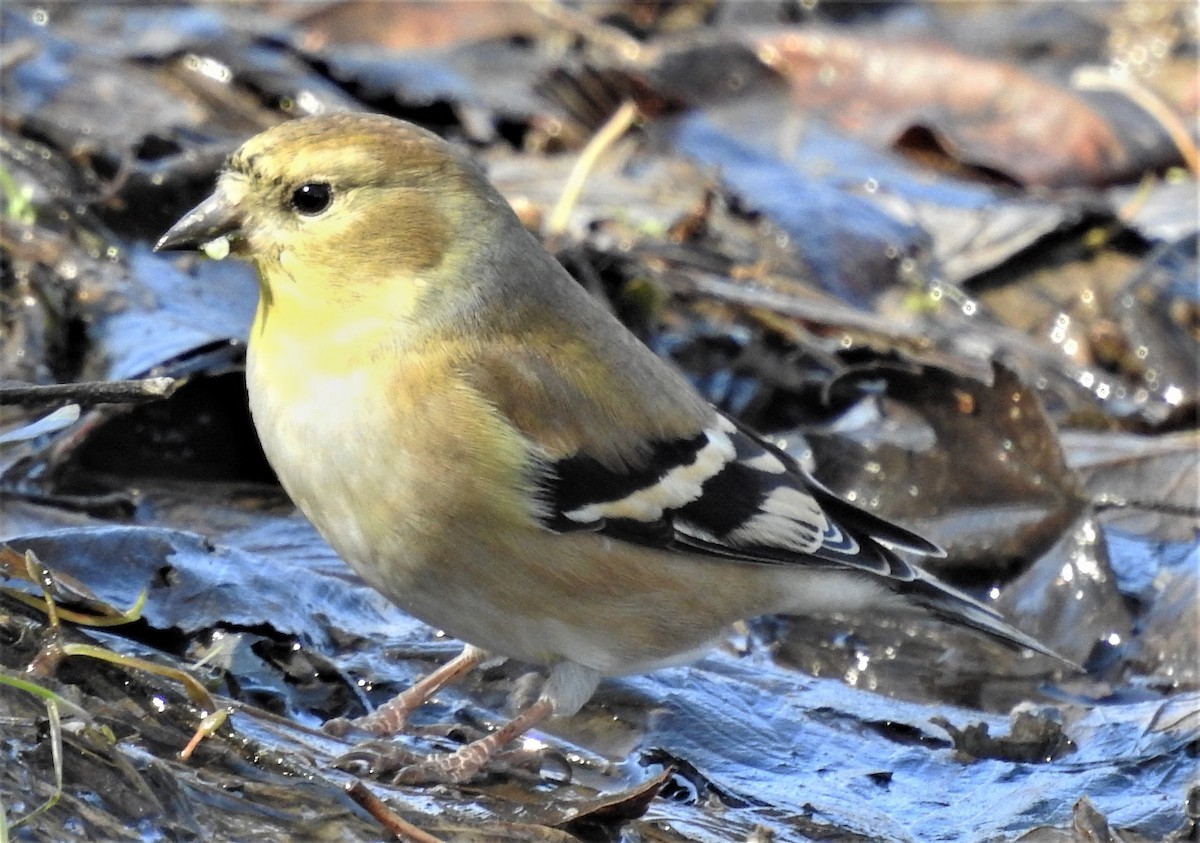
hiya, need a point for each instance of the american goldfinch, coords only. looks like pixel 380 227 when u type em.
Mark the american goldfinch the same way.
pixel 486 445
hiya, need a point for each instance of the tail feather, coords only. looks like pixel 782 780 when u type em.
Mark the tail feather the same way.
pixel 950 604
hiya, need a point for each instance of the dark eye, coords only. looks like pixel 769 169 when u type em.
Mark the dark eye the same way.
pixel 312 198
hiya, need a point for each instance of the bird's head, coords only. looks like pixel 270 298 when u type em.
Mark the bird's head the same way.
pixel 331 207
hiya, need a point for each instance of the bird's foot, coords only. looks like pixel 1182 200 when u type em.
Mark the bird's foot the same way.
pixel 390 761
pixel 376 759
pixel 383 758
pixel 459 767
pixel 383 721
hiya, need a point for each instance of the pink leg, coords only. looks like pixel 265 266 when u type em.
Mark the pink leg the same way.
pixel 391 717
pixel 468 762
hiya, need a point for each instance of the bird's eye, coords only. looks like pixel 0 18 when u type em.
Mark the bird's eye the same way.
pixel 312 198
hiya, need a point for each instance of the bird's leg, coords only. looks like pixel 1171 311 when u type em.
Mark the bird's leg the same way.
pixel 467 763
pixel 391 717
pixel 567 688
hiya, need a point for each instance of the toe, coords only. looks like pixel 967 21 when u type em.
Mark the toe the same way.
pixel 376 759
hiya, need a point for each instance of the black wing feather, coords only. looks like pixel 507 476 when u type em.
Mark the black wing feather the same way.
pixel 716 515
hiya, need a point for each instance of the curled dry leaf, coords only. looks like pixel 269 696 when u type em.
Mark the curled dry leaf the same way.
pixel 927 97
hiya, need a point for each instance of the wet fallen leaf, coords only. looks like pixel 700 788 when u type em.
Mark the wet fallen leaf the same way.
pixel 984 478
pixel 927 98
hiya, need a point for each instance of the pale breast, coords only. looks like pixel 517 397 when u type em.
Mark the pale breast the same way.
pixel 322 436
pixel 410 476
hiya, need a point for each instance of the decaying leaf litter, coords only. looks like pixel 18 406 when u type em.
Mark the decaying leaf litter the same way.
pixel 948 253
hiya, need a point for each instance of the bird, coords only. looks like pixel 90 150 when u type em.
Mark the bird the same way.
pixel 488 446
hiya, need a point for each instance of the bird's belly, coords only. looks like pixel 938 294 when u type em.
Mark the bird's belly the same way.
pixel 611 606
pixel 457 555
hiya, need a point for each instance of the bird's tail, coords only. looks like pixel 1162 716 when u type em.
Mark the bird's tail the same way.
pixel 950 604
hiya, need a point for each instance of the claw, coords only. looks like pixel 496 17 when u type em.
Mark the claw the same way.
pixel 338 727
pixel 376 759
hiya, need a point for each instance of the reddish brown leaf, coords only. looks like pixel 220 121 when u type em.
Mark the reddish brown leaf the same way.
pixel 928 96
pixel 409 24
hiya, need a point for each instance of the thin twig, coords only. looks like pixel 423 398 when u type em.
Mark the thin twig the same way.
pixel 616 126
pixel 401 828
pixel 89 392
pixel 1092 79
pixel 608 39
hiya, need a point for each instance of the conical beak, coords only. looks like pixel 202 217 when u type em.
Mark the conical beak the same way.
pixel 214 219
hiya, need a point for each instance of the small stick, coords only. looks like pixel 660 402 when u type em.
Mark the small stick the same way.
pixel 401 828
pixel 89 392
pixel 610 39
pixel 616 126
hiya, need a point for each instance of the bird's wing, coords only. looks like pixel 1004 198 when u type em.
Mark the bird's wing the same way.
pixel 726 492
pixel 660 467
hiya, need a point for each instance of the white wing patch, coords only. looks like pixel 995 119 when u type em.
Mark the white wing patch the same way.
pixel 676 488
pixel 767 463
pixel 788 518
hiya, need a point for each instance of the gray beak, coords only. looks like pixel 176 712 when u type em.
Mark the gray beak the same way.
pixel 213 218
